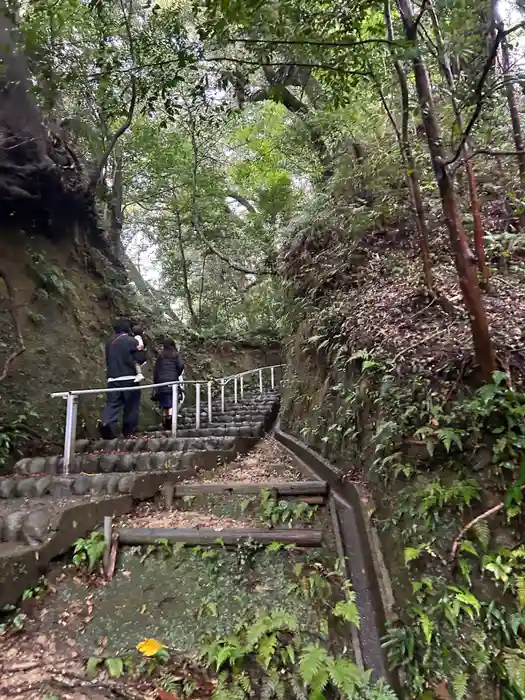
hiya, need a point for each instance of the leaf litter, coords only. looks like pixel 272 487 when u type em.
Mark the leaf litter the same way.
pixel 36 665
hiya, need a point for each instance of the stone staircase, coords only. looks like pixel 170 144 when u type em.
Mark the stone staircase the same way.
pixel 34 499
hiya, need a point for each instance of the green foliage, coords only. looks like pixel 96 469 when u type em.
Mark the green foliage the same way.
pixel 116 666
pixel 12 435
pixel 88 551
pixel 283 512
pixel 272 650
pixel 37 591
pixel 11 620
pixel 52 282
pixel 162 548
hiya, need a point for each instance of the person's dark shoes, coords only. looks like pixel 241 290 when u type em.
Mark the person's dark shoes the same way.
pixel 106 433
pixel 128 433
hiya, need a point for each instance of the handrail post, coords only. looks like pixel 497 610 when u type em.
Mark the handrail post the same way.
pixel 197 406
pixel 241 381
pixel 272 376
pixel 223 402
pixel 260 381
pixel 235 389
pixel 209 403
pixel 71 431
pixel 174 409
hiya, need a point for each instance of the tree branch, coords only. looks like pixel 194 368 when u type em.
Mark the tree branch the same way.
pixel 242 201
pixel 469 525
pixel 184 267
pixel 514 28
pixel 486 152
pixel 18 330
pixel 234 265
pixel 480 96
pixel 314 42
pixel 421 13
pixel 246 61
pixel 133 100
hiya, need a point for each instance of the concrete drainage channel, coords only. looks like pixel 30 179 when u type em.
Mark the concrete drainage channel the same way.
pixel 360 546
pixel 43 513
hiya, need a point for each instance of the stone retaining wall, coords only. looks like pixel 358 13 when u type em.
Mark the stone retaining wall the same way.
pixel 33 526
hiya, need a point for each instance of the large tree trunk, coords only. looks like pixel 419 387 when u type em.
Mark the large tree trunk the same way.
pixel 407 155
pixel 515 118
pixel 475 207
pixel 465 261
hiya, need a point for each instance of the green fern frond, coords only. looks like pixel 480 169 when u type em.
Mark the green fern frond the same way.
pixel 297 689
pixel 520 590
pixel 273 687
pixel 312 660
pixel 267 647
pixel 514 664
pixel 344 675
pixel 169 683
pixel 482 532
pixel 348 611
pixel 459 685
pixel 319 683
pixel 226 690
pixel 276 621
pixel 244 682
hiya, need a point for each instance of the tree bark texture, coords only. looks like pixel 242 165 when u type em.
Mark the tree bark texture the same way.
pixel 464 260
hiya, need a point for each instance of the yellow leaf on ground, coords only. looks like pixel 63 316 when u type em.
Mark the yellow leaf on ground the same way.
pixel 150 647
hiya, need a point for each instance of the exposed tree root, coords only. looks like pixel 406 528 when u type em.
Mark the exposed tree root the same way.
pixel 18 330
pixel 69 681
pixel 491 511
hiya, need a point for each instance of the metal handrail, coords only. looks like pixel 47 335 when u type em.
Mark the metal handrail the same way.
pixel 71 398
pixel 238 381
pixel 109 390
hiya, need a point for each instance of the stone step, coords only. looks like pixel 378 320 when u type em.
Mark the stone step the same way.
pixel 138 484
pixel 106 462
pixel 239 428
pixel 240 417
pixel 231 405
pixel 151 443
pixel 243 429
pixel 229 430
pixel 228 413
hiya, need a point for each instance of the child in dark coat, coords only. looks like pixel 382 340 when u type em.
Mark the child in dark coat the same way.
pixel 168 368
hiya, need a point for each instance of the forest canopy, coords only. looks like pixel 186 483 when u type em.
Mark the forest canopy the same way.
pixel 214 134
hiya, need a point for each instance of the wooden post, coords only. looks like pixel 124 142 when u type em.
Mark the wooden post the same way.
pixel 108 530
pixel 167 491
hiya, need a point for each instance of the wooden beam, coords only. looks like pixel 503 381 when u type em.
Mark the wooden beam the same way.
pixel 209 536
pixel 282 488
pixel 311 500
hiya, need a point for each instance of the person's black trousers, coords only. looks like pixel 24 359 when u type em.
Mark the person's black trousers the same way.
pixel 129 402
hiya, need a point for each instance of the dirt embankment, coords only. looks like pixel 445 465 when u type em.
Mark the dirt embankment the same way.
pixel 64 295
pixel 383 382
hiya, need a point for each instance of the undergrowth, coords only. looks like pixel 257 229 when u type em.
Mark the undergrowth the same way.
pixel 438 455
pixel 270 658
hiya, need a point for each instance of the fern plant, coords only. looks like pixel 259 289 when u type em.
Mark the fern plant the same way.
pixel 271 652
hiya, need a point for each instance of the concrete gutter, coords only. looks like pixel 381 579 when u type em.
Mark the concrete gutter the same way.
pixel 364 559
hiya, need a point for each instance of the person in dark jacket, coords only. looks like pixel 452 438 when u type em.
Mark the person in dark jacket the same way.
pixel 168 368
pixel 122 357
